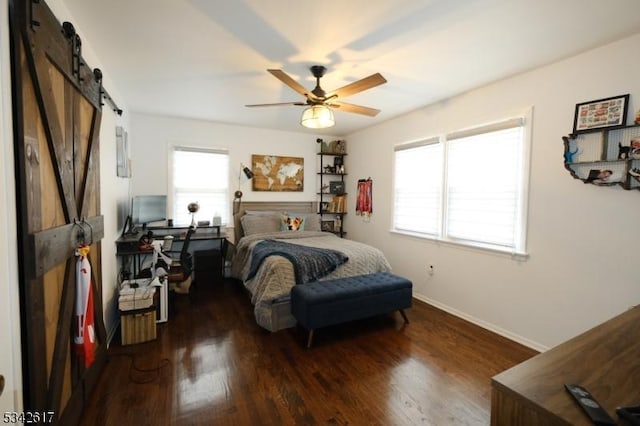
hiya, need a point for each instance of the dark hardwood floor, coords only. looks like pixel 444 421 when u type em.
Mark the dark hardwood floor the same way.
pixel 211 364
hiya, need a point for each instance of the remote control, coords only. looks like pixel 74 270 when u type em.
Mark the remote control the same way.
pixel 630 414
pixel 588 403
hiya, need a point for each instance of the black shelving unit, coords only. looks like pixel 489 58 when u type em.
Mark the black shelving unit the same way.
pixel 332 194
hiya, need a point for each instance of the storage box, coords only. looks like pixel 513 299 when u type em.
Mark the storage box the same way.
pixel 139 296
pixel 138 326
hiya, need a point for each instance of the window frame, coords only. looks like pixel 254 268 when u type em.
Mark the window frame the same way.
pixel 171 193
pixel 519 250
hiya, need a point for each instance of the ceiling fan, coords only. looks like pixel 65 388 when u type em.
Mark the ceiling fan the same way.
pixel 319 103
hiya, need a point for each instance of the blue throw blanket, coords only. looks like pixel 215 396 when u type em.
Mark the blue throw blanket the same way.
pixel 309 263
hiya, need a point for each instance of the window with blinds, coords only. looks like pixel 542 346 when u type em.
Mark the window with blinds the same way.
pixel 418 187
pixel 468 187
pixel 199 175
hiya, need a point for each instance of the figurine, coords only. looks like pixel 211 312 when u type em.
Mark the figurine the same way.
pixel 635 149
pixel 623 151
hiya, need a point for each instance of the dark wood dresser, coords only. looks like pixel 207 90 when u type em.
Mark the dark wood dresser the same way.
pixel 605 360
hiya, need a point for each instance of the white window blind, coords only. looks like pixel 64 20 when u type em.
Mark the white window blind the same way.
pixel 200 175
pixel 469 188
pixel 484 187
pixel 418 187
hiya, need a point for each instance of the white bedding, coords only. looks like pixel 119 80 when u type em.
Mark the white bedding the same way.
pixel 275 277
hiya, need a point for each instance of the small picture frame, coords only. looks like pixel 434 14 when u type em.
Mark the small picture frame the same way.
pixel 336 187
pixel 601 113
pixel 327 225
pixel 122 153
pixel 600 177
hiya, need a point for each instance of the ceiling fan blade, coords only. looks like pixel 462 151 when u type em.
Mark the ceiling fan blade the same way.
pixel 359 86
pixel 276 104
pixel 286 79
pixel 357 109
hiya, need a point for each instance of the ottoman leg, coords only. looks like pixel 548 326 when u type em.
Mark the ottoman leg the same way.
pixel 310 338
pixel 404 316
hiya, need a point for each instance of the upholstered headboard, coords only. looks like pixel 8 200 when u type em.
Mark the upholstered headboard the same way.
pixel 280 206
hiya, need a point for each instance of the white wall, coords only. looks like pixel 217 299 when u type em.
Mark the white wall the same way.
pixel 582 239
pixel 114 196
pixel 152 136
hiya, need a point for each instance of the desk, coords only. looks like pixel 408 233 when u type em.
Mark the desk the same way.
pixel 179 232
pixel 605 360
pixel 205 237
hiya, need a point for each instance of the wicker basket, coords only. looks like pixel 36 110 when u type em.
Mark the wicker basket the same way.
pixel 138 326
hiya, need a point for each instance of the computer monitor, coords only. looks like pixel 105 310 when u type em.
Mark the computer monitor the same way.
pixel 146 209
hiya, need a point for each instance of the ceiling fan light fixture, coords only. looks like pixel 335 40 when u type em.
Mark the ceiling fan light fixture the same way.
pixel 317 117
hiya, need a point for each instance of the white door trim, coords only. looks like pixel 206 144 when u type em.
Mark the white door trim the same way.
pixel 10 359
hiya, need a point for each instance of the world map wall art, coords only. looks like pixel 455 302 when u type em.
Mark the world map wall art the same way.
pixel 274 173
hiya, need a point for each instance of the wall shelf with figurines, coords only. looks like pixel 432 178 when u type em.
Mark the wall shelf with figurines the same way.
pixel 605 152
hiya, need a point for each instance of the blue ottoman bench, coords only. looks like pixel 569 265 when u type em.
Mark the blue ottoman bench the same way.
pixel 323 303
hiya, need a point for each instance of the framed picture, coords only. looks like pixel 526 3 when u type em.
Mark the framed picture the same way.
pixel 601 113
pixel 122 153
pixel 605 177
pixel 336 187
pixel 327 225
pixel 276 173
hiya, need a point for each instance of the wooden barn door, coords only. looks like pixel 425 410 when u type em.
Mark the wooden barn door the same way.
pixel 57 112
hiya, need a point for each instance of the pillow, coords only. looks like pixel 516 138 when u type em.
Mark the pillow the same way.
pixel 257 224
pixel 262 213
pixel 292 222
pixel 312 222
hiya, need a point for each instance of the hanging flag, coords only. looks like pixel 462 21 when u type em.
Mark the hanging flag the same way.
pixel 84 330
pixel 364 202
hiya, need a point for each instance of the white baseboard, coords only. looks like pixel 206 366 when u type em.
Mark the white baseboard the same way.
pixel 486 325
pixel 112 333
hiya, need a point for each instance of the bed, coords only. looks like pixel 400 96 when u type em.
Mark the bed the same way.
pixel 269 285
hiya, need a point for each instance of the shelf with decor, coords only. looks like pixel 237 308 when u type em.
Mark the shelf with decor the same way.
pixel 332 197
pixel 605 157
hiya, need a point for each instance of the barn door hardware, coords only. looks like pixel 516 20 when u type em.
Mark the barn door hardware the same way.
pixel 80 234
pixel 76 48
pixel 97 73
pixel 33 22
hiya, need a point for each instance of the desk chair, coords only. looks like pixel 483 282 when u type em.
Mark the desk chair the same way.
pixel 179 273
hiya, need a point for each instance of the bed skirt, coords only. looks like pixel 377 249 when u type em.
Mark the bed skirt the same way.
pixel 280 316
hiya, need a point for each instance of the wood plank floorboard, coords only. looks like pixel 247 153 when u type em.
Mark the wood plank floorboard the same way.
pixel 213 365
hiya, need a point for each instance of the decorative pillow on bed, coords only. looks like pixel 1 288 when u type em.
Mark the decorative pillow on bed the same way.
pixel 257 224
pixel 310 222
pixel 292 222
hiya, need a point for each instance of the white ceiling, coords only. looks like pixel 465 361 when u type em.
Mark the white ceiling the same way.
pixel 206 59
